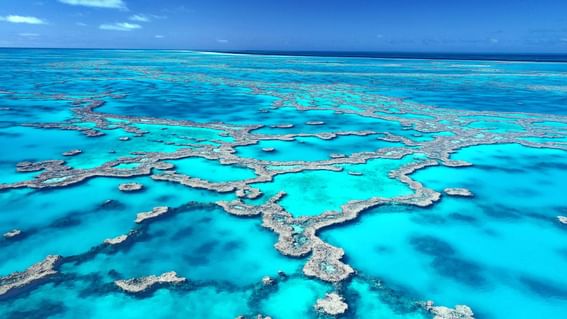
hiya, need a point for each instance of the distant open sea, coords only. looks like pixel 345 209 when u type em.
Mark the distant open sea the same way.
pixel 418 55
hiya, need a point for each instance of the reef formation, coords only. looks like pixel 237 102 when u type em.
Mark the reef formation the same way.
pixel 425 136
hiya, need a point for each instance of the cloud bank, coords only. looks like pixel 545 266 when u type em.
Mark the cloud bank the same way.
pixel 22 19
pixel 120 26
pixel 112 4
pixel 139 18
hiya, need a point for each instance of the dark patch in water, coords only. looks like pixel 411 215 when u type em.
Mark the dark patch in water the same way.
pixel 547 165
pixel 540 215
pixel 232 246
pixel 88 285
pixel 563 253
pixel 207 247
pixel 44 205
pixel 10 134
pixel 114 274
pixel 463 218
pixel 446 263
pixel 32 146
pixel 505 158
pixel 224 233
pixel 431 246
pixel 543 182
pixel 461 270
pixel 501 212
pixel 9 164
pixel 380 249
pixel 45 309
pixel 429 219
pixel 491 232
pixel 501 169
pixel 66 222
pixel 183 233
pixel 544 288
pixel 111 204
pixel 194 260
pixel 164 198
pixel 205 220
pixel 524 192
pixel 159 233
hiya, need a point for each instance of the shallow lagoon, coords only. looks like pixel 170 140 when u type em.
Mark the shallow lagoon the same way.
pixel 314 192
pixel 211 170
pixel 312 148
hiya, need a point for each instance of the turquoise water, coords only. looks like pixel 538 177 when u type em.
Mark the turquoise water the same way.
pixel 461 249
pixel 313 192
pixel 210 246
pixel 312 148
pixel 245 128
pixel 211 170
pixel 294 299
pixel 71 220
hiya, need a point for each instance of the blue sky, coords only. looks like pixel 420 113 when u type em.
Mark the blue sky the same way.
pixel 355 25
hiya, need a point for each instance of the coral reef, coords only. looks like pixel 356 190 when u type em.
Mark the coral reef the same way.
pixel 12 233
pixel 442 312
pixel 458 192
pixel 116 240
pixel 72 152
pixel 148 283
pixel 421 136
pixel 268 281
pixel 18 282
pixel 130 187
pixel 154 213
pixel 332 304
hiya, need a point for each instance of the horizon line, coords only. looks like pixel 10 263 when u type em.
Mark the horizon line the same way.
pixel 384 54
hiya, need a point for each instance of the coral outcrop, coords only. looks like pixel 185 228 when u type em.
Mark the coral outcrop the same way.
pixel 332 304
pixel 18 282
pixel 148 283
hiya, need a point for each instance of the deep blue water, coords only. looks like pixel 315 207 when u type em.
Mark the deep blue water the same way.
pixel 527 57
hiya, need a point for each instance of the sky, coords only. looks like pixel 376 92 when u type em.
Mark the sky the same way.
pixel 520 26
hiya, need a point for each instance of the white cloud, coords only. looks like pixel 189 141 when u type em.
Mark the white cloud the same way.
pixel 139 18
pixel 120 26
pixel 81 24
pixel 22 19
pixel 563 39
pixel 113 4
pixel 222 41
pixel 494 40
pixel 159 36
pixel 29 35
pixel 158 17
